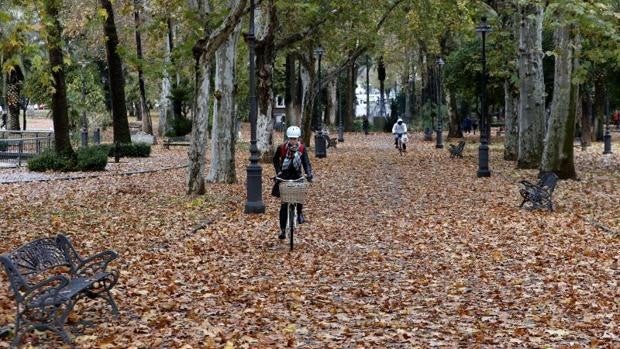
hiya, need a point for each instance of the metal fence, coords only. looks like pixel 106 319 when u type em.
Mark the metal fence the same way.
pixel 16 147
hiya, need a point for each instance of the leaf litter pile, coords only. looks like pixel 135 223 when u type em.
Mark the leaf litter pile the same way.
pixel 396 252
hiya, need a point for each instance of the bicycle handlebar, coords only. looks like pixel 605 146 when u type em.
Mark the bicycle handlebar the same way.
pixel 276 178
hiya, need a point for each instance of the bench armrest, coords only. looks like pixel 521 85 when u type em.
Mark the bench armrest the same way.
pixel 45 292
pixel 96 263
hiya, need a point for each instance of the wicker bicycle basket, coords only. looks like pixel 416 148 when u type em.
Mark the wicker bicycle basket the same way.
pixel 293 192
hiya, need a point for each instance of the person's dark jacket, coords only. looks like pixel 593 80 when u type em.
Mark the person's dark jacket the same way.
pixel 290 172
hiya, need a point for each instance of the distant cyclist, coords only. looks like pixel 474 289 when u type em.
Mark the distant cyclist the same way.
pixel 289 160
pixel 398 130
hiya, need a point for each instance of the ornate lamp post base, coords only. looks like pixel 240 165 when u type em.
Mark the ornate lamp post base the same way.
pixel 320 145
pixel 340 134
pixel 439 144
pixel 483 161
pixel 607 139
pixel 254 203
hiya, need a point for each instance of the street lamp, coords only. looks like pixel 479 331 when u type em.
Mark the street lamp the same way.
pixel 439 144
pixel 483 151
pixel 320 146
pixel 340 123
pixel 254 203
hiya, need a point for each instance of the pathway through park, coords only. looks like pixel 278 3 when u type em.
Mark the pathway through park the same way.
pixel 397 251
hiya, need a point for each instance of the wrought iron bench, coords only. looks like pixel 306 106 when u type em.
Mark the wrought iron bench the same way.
pixel 456 150
pixel 331 142
pixel 48 277
pixel 539 194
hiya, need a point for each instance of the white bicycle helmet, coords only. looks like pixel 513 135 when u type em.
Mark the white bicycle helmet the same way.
pixel 293 132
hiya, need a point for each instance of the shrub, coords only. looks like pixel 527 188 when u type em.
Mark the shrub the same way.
pixel 179 127
pixel 50 160
pixel 4 146
pixel 91 159
pixel 131 150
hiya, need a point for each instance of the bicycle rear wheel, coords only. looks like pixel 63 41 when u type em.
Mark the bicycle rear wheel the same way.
pixel 292 210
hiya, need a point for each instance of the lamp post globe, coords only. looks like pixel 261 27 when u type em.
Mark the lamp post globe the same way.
pixel 439 144
pixel 320 146
pixel 254 203
pixel 483 150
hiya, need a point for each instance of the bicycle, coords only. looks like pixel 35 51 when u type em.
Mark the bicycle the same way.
pixel 292 192
pixel 401 141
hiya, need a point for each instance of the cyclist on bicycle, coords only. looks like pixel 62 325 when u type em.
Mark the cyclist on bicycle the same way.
pixel 288 161
pixel 398 130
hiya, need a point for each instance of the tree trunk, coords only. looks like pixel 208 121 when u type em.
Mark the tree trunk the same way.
pixel 120 122
pixel 308 97
pixel 600 95
pixel 60 115
pixel 291 96
pixel 454 122
pixel 511 122
pixel 349 96
pixel 558 151
pixel 332 102
pixel 13 97
pixel 222 168
pixel 165 105
pixel 143 112
pixel 531 88
pixel 203 52
pixel 265 50
pixel 586 117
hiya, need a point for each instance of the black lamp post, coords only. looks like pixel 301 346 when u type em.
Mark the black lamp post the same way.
pixel 340 123
pixel 607 136
pixel 483 151
pixel 320 147
pixel 439 144
pixel 254 203
pixel 381 74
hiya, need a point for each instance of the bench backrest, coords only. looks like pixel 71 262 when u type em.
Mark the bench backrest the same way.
pixel 461 145
pixel 549 180
pixel 25 264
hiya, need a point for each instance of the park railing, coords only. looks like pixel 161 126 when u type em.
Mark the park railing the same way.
pixel 18 146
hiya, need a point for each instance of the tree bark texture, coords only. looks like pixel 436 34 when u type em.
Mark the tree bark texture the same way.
pixel 558 151
pixel 266 22
pixel 511 121
pixel 600 95
pixel 349 95
pixel 454 119
pixel 13 97
pixel 586 117
pixel 531 88
pixel 165 105
pixel 204 51
pixel 143 111
pixel 308 94
pixel 222 168
pixel 120 123
pixel 60 115
pixel 293 114
pixel 332 102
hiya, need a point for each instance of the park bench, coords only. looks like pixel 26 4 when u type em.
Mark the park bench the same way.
pixel 48 277
pixel 175 141
pixel 456 150
pixel 539 194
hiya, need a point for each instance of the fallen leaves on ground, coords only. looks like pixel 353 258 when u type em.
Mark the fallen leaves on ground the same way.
pixel 397 252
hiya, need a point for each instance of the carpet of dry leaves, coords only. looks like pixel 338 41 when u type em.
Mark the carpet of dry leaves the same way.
pixel 398 252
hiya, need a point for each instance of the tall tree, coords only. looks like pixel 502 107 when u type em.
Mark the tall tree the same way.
pixel 531 87
pixel 59 95
pixel 120 123
pixel 558 151
pixel 165 105
pixel 204 51
pixel 222 167
pixel 143 112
